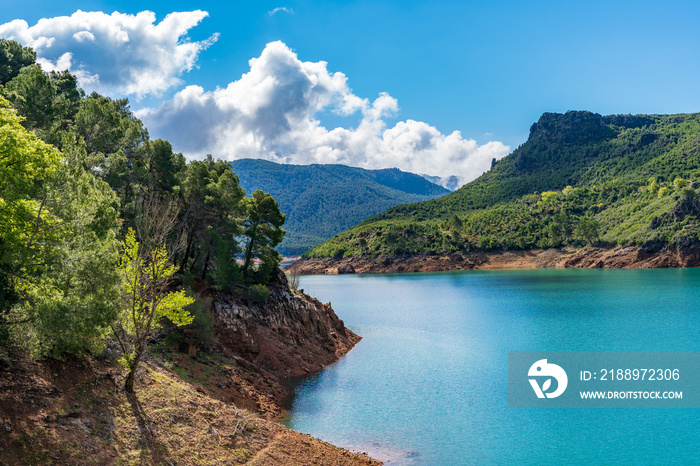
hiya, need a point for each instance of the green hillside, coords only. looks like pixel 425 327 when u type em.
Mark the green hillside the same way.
pixel 320 201
pixel 580 178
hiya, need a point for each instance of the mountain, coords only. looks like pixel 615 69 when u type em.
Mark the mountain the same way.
pixel 323 200
pixel 581 178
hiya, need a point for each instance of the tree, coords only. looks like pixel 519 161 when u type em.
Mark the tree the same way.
pixel 588 228
pixel 145 274
pixel 114 140
pixel 549 196
pixel 211 210
pixel 58 225
pixel 653 185
pixel 72 297
pixel 680 183
pixel 47 101
pixel 13 57
pixel 162 169
pixel 32 93
pixel 25 165
pixel 262 232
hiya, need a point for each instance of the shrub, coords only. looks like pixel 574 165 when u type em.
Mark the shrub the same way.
pixel 258 293
pixel 293 281
pixel 680 183
pixel 201 330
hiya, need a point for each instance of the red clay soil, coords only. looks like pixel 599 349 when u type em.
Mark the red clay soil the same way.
pixel 75 412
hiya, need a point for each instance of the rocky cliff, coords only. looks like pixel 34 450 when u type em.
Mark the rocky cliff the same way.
pixel 289 334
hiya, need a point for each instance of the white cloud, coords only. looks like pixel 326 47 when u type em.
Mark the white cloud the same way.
pixel 280 8
pixel 271 113
pixel 117 53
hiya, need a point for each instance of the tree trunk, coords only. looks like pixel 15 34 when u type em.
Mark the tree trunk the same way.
pixel 131 376
pixel 183 263
pixel 129 385
pixel 206 264
pixel 248 254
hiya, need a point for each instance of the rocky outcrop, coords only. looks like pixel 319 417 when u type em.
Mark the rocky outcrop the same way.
pixel 289 334
pixel 684 253
pixel 429 263
pixel 651 255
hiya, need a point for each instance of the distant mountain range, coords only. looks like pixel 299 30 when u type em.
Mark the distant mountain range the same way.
pixel 323 200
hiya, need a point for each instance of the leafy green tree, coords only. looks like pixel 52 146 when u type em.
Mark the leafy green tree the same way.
pixel 680 183
pixel 114 140
pixel 71 300
pixel 262 232
pixel 47 101
pixel 13 57
pixel 549 196
pixel 162 169
pixel 57 225
pixel 26 163
pixel 211 210
pixel 588 228
pixel 653 186
pixel 663 191
pixel 108 126
pixel 32 93
pixel 145 274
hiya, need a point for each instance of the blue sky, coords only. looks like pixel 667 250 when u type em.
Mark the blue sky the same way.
pixel 487 69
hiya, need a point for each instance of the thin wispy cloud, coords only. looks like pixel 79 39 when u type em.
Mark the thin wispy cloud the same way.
pixel 271 113
pixel 115 54
pixel 282 9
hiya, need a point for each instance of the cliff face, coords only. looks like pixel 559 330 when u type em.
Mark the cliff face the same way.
pixel 287 335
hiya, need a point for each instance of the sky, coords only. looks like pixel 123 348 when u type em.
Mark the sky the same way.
pixel 433 87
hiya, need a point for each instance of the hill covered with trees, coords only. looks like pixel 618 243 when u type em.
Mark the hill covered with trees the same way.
pixel 581 178
pixel 320 201
pixel 99 223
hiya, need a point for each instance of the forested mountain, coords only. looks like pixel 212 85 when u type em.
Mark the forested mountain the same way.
pixel 322 200
pixel 580 178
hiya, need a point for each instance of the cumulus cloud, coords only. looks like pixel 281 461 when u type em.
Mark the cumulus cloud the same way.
pixel 271 112
pixel 118 53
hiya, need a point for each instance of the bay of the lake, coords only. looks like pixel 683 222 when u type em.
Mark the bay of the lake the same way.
pixel 427 385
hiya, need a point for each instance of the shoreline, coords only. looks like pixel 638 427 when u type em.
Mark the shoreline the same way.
pixel 649 255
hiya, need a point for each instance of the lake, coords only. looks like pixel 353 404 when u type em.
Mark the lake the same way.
pixel 427 385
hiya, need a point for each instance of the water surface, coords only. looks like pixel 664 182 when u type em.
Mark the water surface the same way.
pixel 428 382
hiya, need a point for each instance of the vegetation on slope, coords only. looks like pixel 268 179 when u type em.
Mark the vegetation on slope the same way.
pixel 76 174
pixel 320 201
pixel 580 178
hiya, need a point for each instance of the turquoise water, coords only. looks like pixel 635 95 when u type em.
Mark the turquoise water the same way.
pixel 427 385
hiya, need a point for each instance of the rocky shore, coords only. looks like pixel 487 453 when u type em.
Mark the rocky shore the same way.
pixel 193 405
pixel 288 335
pixel 648 255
